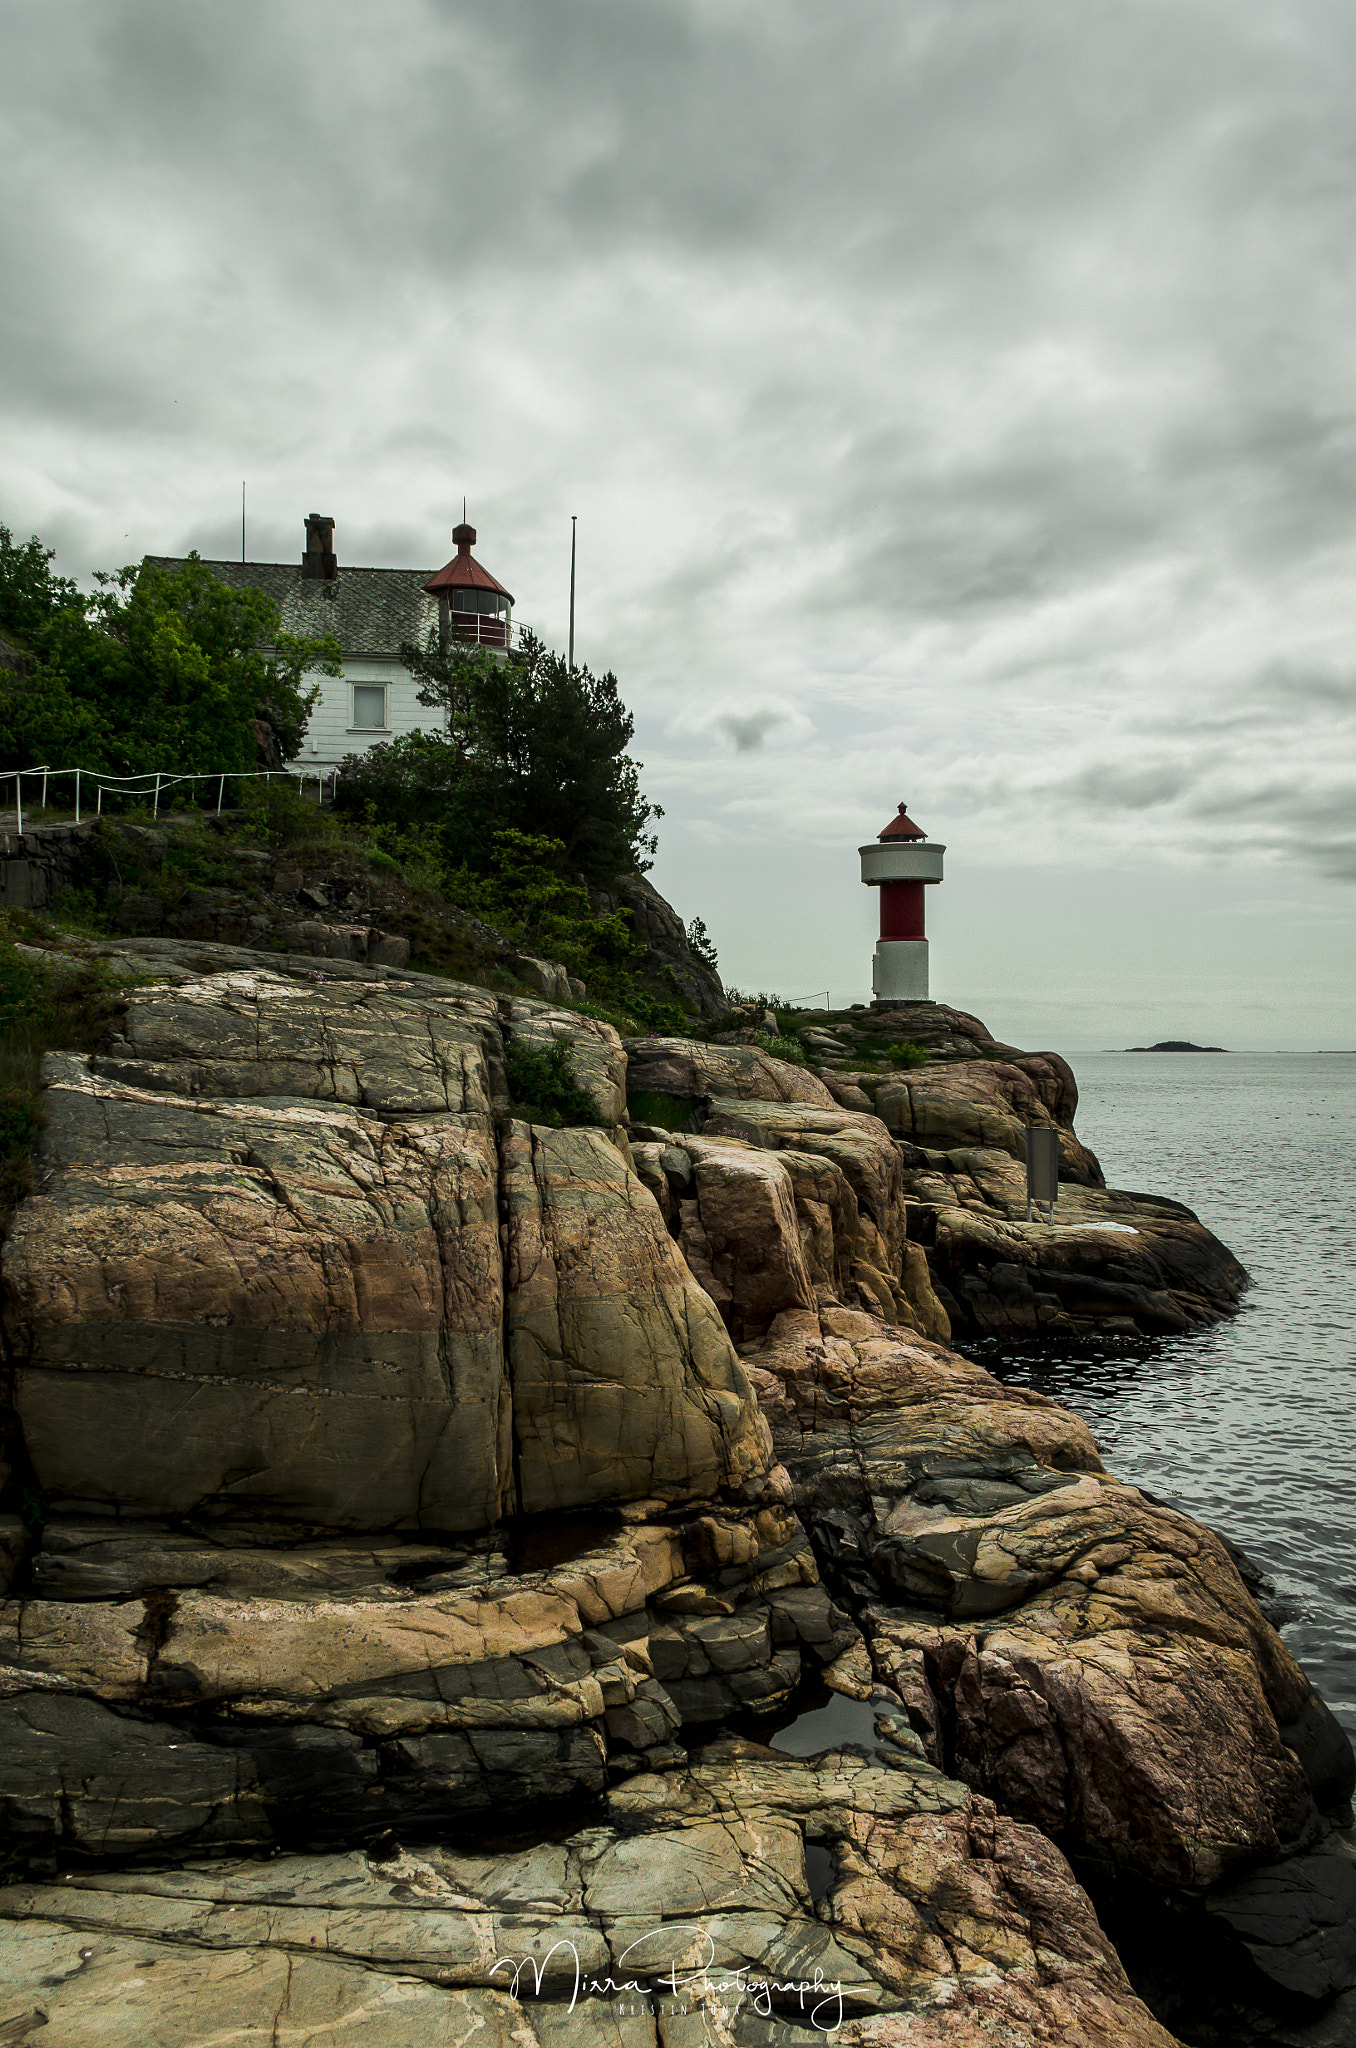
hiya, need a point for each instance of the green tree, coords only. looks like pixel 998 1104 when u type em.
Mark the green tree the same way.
pixel 161 668
pixel 29 593
pixel 702 944
pixel 526 745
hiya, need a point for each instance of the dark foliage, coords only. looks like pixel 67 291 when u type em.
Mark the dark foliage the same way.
pixel 44 1007
pixel 160 669
pixel 702 944
pixel 543 1088
pixel 30 594
pixel 525 745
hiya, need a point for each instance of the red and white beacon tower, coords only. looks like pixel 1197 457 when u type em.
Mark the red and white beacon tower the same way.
pixel 901 864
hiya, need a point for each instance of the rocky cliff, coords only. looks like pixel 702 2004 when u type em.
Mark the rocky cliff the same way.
pixel 465 1566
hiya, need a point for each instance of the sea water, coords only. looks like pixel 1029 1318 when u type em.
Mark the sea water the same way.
pixel 1251 1425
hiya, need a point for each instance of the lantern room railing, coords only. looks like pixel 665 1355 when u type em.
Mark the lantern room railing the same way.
pixel 482 629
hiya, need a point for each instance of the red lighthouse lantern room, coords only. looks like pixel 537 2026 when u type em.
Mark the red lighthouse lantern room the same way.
pixel 901 864
pixel 472 604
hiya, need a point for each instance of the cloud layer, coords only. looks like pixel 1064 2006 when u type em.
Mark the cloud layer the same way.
pixel 957 400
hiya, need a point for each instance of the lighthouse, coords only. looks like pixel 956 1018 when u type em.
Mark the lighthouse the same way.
pixel 900 864
pixel 472 604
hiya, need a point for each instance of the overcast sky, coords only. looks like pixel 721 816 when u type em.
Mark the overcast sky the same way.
pixel 957 401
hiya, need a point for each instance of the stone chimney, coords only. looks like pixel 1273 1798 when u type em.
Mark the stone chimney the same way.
pixel 320 560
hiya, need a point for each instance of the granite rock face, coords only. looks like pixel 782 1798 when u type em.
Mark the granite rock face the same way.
pixel 276 1307
pixel 409 1467
pixel 1089 1659
pixel 317 1694
pixel 1114 1263
pixel 988 1104
pixel 753 1900
pixel 1121 1264
pixel 661 930
pixel 764 1232
pixel 267 1255
pixel 624 1381
pixel 690 1073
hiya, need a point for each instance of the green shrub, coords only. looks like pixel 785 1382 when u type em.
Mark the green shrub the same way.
pixel 906 1054
pixel 46 1005
pixel 666 1112
pixel 278 816
pixel 543 1088
pixel 789 1049
pixel 746 999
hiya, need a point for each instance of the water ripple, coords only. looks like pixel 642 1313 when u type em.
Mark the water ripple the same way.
pixel 1251 1425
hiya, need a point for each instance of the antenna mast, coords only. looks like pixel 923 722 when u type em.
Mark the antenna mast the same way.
pixel 242 521
pixel 574 518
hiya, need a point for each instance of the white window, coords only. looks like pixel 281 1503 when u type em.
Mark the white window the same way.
pixel 369 707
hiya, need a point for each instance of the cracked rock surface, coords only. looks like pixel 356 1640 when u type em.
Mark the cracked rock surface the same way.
pixel 933 1920
pixel 442 1515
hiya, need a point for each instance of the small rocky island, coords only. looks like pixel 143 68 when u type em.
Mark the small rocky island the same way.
pixel 1176 1045
pixel 427 1523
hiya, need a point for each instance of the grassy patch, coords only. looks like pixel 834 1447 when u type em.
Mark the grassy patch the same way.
pixel 666 1112
pixel 543 1088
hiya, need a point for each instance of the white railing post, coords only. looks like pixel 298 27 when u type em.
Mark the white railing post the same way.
pixel 221 793
pixel 19 803
pixel 77 796
pixel 155 809
pixel 44 789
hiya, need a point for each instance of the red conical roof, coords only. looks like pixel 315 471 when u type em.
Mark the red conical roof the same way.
pixel 902 827
pixel 464 569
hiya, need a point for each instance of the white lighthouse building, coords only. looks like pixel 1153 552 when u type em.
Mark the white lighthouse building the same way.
pixel 901 863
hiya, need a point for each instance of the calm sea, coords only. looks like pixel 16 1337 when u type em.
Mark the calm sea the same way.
pixel 1252 1425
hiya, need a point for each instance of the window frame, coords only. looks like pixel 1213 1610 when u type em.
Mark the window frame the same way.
pixel 369 684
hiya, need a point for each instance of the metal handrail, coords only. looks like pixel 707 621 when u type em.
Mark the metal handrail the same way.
pixel 485 629
pixel 156 781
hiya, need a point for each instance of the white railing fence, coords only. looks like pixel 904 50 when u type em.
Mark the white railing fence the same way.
pixel 156 783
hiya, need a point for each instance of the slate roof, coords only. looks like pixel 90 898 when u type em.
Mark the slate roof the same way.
pixel 369 611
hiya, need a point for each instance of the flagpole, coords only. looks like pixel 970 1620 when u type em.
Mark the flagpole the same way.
pixel 574 516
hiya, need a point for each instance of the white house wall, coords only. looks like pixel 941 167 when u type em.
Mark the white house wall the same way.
pixel 332 734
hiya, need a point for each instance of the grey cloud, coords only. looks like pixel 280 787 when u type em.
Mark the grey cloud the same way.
pixel 957 377
pixel 748 730
pixel 1284 682
pixel 1130 789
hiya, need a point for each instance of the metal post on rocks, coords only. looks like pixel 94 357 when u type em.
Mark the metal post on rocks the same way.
pixel 77 796
pixel 1042 1168
pixel 99 802
pixel 221 793
pixel 19 803
pixel 44 789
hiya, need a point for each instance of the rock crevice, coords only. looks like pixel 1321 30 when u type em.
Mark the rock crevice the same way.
pixel 412 1472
